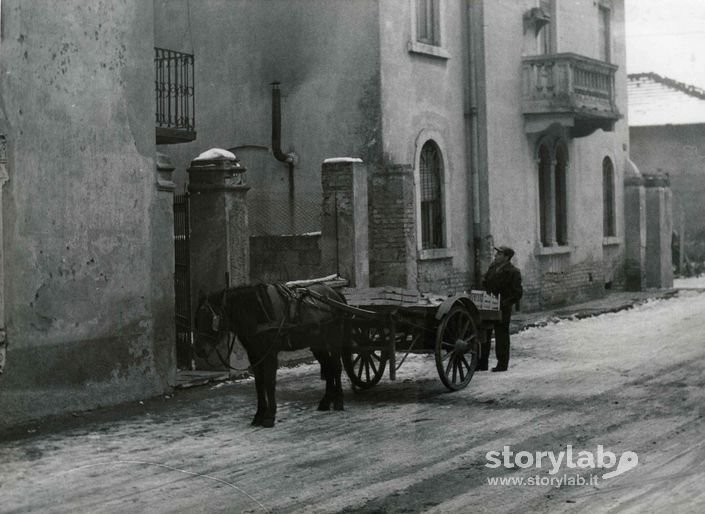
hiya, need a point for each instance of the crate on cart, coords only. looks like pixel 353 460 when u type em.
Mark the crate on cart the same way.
pixel 484 300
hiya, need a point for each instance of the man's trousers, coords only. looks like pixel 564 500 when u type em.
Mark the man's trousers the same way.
pixel 501 345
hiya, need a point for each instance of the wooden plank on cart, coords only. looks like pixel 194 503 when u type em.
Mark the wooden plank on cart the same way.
pixel 334 281
pixel 381 296
pixel 392 296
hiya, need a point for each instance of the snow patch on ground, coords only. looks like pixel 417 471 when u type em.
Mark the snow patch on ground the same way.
pixel 689 283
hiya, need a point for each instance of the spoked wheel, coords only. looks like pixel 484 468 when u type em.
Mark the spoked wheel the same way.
pixel 363 360
pixel 457 348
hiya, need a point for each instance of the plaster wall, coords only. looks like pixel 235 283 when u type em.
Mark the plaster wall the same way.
pixel 325 54
pixel 678 150
pixel 81 305
pixel 424 98
pixel 578 29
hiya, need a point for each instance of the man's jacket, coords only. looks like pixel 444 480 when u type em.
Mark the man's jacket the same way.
pixel 505 280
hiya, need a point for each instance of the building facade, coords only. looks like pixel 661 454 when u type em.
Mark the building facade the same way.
pixel 667 133
pixel 481 123
pixel 478 123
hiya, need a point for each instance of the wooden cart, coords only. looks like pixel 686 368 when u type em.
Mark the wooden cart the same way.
pixel 388 321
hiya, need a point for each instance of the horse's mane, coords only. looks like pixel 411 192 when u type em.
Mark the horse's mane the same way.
pixel 253 299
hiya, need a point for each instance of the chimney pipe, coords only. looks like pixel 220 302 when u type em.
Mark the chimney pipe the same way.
pixel 288 158
pixel 277 128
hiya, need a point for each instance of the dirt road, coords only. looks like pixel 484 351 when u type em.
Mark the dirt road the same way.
pixel 629 381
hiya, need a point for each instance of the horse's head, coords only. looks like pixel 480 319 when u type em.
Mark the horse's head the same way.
pixel 236 310
pixel 209 323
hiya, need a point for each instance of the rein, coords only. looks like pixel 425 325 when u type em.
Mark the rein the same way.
pixel 217 327
pixel 220 328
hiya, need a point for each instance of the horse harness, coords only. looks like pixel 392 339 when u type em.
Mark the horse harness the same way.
pixel 295 300
pixel 291 321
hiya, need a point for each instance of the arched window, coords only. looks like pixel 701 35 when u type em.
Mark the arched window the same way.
pixel 553 194
pixel 608 207
pixel 431 174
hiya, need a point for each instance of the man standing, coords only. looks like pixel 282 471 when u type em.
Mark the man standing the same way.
pixel 503 279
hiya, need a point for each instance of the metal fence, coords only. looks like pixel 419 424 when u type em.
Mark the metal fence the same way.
pixel 182 281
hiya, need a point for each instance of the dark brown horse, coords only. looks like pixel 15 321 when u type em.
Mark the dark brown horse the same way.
pixel 269 318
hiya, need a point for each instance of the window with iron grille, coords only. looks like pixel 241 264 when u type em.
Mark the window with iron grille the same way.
pixel 428 27
pixel 431 173
pixel 174 88
pixel 608 217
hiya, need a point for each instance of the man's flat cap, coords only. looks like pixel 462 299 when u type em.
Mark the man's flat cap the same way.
pixel 505 250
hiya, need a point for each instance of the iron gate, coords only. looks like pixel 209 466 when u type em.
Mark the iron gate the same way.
pixel 182 281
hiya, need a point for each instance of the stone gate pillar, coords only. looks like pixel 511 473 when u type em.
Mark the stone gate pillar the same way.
pixel 659 231
pixel 344 234
pixel 634 229
pixel 220 238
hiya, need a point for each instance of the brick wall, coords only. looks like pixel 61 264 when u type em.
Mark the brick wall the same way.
pixel 345 219
pixel 439 276
pixel 392 227
pixel 284 258
pixel 613 265
pixel 560 282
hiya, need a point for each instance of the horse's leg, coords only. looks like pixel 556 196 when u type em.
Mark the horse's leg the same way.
pixel 270 365
pixel 336 365
pixel 322 358
pixel 261 398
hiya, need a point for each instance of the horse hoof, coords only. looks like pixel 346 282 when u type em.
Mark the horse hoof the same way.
pixel 256 422
pixel 323 406
pixel 268 423
pixel 338 406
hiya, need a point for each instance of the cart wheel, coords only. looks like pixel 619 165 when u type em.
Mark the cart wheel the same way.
pixel 456 348
pixel 363 360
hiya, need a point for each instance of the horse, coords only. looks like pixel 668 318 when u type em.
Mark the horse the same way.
pixel 270 318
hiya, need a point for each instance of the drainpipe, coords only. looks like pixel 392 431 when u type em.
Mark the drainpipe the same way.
pixel 288 158
pixel 473 144
pixel 4 177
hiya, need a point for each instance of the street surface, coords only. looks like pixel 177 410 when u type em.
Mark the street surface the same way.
pixel 628 381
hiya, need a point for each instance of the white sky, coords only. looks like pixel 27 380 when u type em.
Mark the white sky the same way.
pixel 668 38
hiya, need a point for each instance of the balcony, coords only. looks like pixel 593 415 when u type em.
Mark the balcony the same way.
pixel 574 91
pixel 173 83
